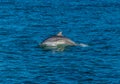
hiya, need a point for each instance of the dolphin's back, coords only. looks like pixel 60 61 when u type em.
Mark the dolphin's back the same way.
pixel 56 40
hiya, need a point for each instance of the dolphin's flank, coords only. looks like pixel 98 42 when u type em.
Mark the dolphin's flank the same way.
pixel 57 40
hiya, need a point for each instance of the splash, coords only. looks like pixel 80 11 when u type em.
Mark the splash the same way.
pixel 83 45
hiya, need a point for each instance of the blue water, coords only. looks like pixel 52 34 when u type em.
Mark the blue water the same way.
pixel 26 23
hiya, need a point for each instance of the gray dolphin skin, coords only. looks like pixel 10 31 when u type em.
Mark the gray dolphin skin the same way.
pixel 57 40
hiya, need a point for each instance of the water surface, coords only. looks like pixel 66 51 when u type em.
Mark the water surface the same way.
pixel 25 24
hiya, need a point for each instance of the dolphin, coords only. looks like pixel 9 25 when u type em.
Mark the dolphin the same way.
pixel 57 40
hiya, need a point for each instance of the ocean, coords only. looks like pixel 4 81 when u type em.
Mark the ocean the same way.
pixel 24 24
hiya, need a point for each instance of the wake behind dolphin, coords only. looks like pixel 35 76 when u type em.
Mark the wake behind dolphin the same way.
pixel 60 42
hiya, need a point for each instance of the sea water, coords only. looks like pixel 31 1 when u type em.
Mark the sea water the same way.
pixel 24 24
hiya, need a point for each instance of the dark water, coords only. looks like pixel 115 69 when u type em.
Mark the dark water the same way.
pixel 26 23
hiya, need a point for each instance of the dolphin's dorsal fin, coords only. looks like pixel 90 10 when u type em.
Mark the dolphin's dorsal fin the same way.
pixel 59 34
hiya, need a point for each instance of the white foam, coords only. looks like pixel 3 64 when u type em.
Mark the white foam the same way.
pixel 83 45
